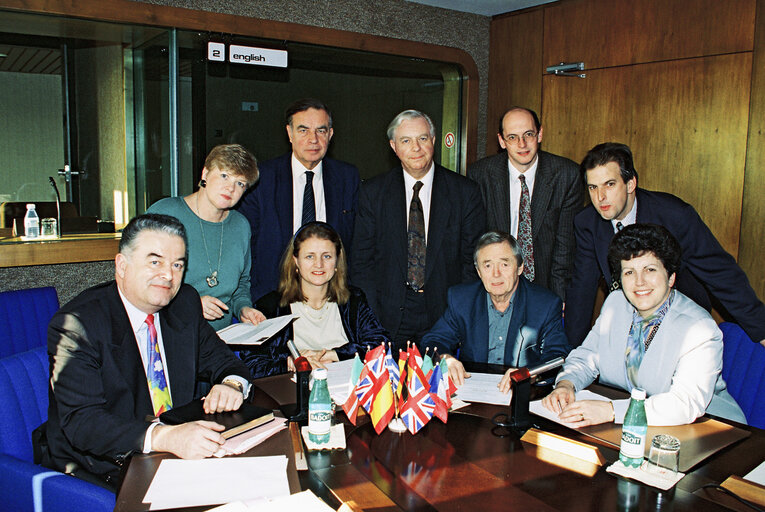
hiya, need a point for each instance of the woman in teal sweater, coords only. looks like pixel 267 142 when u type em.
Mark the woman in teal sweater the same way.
pixel 219 256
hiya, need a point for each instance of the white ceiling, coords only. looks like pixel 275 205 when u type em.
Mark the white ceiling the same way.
pixel 484 7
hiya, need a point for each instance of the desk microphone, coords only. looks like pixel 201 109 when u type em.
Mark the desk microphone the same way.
pixel 58 206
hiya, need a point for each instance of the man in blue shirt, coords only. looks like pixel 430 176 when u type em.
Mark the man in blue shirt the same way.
pixel 503 319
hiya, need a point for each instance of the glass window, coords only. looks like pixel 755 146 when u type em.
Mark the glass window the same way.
pixel 131 111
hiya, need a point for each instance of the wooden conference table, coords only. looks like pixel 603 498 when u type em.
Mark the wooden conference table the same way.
pixel 467 464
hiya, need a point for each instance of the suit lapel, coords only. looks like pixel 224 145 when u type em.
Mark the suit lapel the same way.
pixel 605 232
pixel 179 355
pixel 331 193
pixel 499 207
pixel 480 326
pixel 126 355
pixel 540 199
pixel 398 212
pixel 439 217
pixel 283 198
pixel 514 344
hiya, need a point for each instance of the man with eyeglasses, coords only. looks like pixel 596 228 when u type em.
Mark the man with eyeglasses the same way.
pixel 706 268
pixel 299 187
pixel 534 196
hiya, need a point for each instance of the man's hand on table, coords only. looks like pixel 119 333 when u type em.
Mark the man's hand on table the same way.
pixel 223 397
pixel 194 440
pixel 506 384
pixel 456 370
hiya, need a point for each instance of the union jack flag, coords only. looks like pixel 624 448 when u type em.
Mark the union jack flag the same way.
pixel 361 395
pixel 419 406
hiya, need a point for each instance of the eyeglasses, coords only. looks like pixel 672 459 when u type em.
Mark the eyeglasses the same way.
pixel 514 139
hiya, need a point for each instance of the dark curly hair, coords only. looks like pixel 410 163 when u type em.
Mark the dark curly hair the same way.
pixel 639 239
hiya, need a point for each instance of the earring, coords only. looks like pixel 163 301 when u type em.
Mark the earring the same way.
pixel 202 183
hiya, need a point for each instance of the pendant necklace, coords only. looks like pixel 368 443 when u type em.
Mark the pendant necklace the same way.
pixel 316 314
pixel 212 279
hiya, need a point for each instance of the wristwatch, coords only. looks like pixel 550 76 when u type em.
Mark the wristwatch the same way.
pixel 234 384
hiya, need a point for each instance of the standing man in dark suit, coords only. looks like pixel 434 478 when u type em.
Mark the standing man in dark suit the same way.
pixel 124 351
pixel 296 188
pixel 534 196
pixel 617 202
pixel 415 232
pixel 503 319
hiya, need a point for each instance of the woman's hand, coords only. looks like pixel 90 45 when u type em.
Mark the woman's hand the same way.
pixel 318 358
pixel 561 397
pixel 587 412
pixel 213 308
pixel 251 316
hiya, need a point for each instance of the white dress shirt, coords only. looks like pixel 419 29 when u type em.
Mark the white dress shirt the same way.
pixel 425 192
pixel 298 188
pixel 630 219
pixel 515 191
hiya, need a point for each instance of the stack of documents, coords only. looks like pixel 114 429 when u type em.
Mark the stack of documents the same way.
pixel 248 334
pixel 182 483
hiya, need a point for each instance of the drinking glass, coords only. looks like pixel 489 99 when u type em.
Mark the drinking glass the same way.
pixel 664 456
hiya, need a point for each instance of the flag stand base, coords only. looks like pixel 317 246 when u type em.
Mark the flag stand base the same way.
pixel 397 425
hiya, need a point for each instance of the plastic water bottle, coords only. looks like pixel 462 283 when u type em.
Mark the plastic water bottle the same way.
pixel 634 431
pixel 319 409
pixel 31 222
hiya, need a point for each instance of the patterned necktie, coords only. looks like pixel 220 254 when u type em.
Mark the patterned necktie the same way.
pixel 155 372
pixel 524 230
pixel 415 235
pixel 309 204
pixel 619 226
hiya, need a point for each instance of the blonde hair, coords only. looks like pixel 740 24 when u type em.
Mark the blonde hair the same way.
pixel 289 280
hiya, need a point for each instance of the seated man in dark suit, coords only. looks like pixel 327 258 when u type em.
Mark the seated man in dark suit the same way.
pixel 107 347
pixel 504 319
pixel 705 269
pixel 299 187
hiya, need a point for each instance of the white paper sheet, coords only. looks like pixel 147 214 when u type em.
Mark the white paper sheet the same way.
pixel 338 380
pixel 188 483
pixel 537 408
pixel 482 388
pixel 757 475
pixel 248 334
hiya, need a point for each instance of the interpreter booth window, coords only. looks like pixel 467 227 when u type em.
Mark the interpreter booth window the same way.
pixel 118 116
pixel 221 102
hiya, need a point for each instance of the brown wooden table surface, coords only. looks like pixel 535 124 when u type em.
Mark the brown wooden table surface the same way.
pixel 467 464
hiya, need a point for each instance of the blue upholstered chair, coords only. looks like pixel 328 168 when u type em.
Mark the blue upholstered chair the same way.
pixel 24 317
pixel 743 364
pixel 25 486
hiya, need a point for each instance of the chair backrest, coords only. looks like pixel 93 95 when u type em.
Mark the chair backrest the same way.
pixel 23 400
pixel 744 372
pixel 24 317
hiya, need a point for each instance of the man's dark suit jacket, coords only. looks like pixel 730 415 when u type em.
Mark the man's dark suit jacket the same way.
pixel 705 265
pixel 360 325
pixel 379 264
pixel 99 397
pixel 535 333
pixel 268 207
pixel 557 197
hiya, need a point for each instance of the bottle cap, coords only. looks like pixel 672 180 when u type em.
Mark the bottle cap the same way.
pixel 30 206
pixel 320 373
pixel 638 394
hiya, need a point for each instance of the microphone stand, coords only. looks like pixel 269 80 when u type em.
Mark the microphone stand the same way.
pixel 58 206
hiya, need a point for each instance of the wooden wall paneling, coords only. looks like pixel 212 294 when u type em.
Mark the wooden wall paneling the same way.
pixel 752 245
pixel 515 68
pixel 686 122
pixel 605 33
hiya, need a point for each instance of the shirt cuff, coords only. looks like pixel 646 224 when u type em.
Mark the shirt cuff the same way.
pixel 147 438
